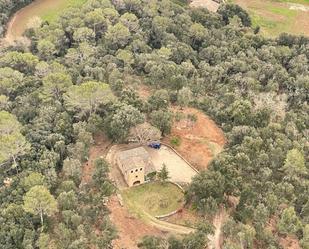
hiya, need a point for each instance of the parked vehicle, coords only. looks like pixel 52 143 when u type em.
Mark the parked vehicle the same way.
pixel 155 145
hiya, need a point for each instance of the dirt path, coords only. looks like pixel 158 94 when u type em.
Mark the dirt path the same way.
pixel 21 18
pixel 216 239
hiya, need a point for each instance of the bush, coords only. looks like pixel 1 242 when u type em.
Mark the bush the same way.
pixel 175 141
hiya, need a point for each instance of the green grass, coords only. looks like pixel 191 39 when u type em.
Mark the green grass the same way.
pixel 52 14
pixel 274 17
pixel 153 198
pixel 294 1
pixel 181 2
pixel 270 26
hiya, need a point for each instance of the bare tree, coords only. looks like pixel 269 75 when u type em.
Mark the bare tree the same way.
pixel 143 133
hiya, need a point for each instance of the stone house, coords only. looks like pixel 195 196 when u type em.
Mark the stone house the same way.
pixel 135 165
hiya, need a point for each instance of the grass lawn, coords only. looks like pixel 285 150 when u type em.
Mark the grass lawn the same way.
pixel 153 198
pixel 276 16
pixel 52 14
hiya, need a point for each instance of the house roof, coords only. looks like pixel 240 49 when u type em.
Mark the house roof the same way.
pixel 135 158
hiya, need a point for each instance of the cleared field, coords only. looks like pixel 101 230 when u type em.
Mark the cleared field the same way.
pixel 209 4
pixel 278 16
pixel 179 170
pixel 154 198
pixel 47 10
pixel 199 141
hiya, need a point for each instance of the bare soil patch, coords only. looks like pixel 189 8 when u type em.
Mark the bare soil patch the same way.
pixel 209 4
pixel 289 242
pixel 130 229
pixel 200 141
pixel 99 149
pixel 179 170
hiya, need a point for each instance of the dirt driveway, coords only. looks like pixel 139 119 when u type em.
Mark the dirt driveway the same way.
pixel 179 170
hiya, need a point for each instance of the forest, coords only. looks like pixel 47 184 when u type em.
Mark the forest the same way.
pixel 81 76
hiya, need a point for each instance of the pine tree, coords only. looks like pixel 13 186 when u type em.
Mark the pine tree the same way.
pixel 163 174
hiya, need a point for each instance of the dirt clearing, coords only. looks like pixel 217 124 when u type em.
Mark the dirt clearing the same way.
pixel 199 141
pixel 99 149
pixel 179 170
pixel 130 229
pixel 209 4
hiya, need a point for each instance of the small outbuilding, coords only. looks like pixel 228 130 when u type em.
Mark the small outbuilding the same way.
pixel 135 165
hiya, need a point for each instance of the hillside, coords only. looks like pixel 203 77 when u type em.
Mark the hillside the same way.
pixel 230 101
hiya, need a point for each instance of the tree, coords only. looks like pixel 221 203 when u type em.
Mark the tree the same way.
pixel 208 186
pixel 100 177
pixel 289 223
pixel 67 200
pixel 55 84
pixel 122 120
pixel 72 169
pixel 84 35
pixel 228 11
pixel 151 242
pixel 159 100
pixel 33 179
pixel 12 143
pixel 118 35
pixel 143 133
pixel 163 174
pixel 294 163
pixel 46 49
pixel 10 80
pixel 162 120
pixel 4 103
pixel 23 62
pixel 184 97
pixel 39 201
pixel 305 240
pixel 197 33
pixel 246 236
pixel 86 98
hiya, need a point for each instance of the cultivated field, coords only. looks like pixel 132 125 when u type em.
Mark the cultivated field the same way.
pixel 275 17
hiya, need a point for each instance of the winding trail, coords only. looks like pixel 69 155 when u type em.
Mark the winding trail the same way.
pixel 216 238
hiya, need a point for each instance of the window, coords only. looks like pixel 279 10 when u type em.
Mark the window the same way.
pixel 141 169
pixel 131 171
pixel 136 170
pixel 136 176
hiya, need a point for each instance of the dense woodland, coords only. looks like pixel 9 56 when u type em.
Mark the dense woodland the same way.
pixel 81 77
pixel 7 8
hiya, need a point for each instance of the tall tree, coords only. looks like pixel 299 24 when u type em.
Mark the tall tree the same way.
pixel 12 143
pixel 55 84
pixel 39 201
pixel 289 223
pixel 163 174
pixel 162 120
pixel 85 98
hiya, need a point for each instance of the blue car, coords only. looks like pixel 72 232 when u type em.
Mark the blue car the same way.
pixel 155 145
